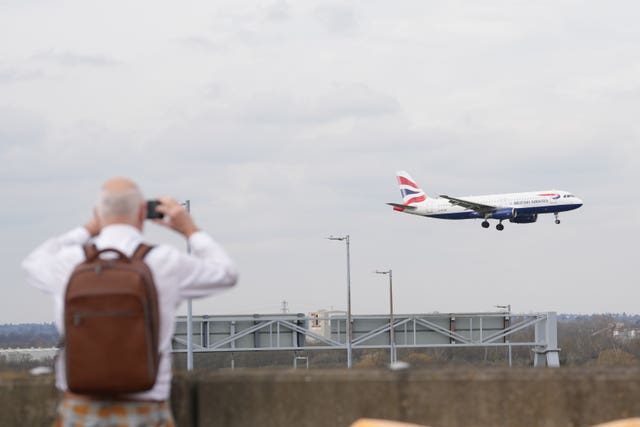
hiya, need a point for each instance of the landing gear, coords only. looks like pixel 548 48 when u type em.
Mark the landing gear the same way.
pixel 557 220
pixel 499 227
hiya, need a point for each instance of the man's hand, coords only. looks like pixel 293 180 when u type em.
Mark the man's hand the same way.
pixel 93 226
pixel 176 217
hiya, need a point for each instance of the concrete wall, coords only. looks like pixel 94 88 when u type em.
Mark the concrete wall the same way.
pixel 336 398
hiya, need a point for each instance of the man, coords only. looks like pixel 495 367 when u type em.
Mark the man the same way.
pixel 117 223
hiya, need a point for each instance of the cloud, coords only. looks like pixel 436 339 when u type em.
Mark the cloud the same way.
pixel 277 12
pixel 202 43
pixel 73 59
pixel 81 152
pixel 341 101
pixel 19 128
pixel 275 155
pixel 11 75
pixel 337 19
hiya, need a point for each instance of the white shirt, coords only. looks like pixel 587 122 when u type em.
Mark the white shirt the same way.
pixel 177 275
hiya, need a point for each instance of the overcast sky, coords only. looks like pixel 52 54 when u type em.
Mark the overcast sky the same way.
pixel 285 121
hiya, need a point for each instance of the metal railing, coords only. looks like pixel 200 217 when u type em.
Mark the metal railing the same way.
pixel 289 332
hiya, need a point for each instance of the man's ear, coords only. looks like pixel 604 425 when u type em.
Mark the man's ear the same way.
pixel 142 213
pixel 96 217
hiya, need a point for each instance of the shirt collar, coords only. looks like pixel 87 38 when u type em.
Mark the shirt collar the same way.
pixel 120 236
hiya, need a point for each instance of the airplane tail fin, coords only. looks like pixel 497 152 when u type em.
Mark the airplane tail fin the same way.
pixel 412 194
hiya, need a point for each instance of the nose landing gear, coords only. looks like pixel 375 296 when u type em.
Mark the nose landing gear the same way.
pixel 557 220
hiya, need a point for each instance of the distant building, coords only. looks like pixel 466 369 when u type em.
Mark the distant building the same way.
pixel 17 354
pixel 625 333
pixel 320 323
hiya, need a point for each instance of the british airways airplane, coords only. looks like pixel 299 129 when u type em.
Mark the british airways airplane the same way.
pixel 520 208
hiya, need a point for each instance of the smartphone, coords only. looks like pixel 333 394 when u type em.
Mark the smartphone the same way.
pixel 151 210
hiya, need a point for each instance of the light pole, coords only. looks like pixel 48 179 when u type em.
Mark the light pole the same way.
pixel 349 355
pixel 187 206
pixel 392 340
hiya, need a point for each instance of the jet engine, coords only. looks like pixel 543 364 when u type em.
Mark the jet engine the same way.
pixel 524 219
pixel 504 213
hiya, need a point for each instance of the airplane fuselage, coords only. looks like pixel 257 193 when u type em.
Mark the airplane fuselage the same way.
pixel 519 208
pixel 524 204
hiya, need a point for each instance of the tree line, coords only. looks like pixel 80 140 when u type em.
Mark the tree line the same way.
pixel 28 335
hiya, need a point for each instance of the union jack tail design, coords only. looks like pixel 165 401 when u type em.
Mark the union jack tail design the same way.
pixel 411 193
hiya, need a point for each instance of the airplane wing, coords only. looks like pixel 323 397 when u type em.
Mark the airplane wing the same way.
pixel 401 206
pixel 467 204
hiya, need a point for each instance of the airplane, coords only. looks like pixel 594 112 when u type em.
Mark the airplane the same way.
pixel 519 208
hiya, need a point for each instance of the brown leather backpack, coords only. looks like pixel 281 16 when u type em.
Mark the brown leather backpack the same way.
pixel 111 324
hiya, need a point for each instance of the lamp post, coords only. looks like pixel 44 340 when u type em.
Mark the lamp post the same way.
pixel 392 341
pixel 349 354
pixel 187 206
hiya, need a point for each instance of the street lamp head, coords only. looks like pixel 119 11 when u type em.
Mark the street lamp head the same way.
pixel 338 238
pixel 382 272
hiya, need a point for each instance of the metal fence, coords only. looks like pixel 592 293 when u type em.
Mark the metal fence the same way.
pixel 305 332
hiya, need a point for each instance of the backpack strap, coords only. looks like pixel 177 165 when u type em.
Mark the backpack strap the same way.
pixel 90 251
pixel 141 251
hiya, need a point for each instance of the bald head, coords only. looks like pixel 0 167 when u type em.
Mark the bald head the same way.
pixel 121 202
